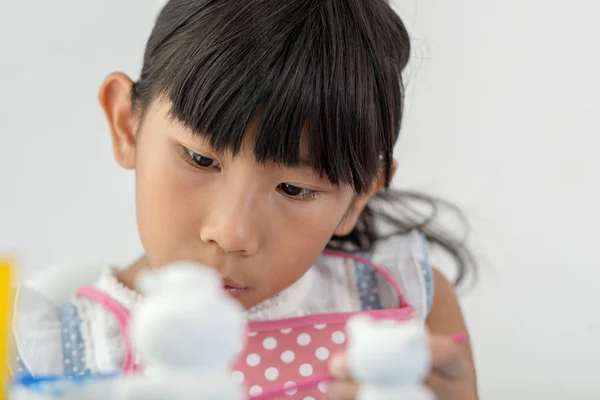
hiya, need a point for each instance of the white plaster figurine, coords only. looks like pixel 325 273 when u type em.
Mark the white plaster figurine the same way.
pixel 388 360
pixel 187 332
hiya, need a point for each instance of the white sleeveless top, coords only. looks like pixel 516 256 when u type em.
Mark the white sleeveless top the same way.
pixel 80 336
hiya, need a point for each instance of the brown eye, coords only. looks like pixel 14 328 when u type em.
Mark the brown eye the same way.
pixel 290 190
pixel 296 192
pixel 201 161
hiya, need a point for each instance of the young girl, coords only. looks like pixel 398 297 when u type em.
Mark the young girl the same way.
pixel 261 133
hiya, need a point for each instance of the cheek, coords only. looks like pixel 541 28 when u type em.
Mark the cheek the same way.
pixel 165 207
pixel 299 240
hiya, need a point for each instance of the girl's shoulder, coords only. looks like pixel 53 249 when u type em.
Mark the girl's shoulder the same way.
pixel 74 337
pixel 403 258
pixel 406 258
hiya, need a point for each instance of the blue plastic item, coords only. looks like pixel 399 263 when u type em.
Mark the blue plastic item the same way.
pixel 59 385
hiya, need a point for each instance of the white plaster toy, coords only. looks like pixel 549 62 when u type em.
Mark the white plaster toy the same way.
pixel 388 360
pixel 186 321
pixel 187 331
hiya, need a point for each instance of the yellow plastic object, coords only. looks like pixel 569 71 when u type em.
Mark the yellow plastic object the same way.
pixel 6 270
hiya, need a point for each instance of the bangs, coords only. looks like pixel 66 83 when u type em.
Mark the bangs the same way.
pixel 330 70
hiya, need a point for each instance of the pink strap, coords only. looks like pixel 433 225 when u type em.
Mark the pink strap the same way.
pixel 121 315
pixel 401 300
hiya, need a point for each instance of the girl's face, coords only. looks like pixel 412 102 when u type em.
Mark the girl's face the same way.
pixel 261 227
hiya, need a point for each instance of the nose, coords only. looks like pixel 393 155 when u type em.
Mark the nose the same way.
pixel 232 224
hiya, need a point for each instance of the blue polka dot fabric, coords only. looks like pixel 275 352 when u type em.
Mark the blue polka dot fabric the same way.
pixel 366 281
pixel 73 345
pixel 427 273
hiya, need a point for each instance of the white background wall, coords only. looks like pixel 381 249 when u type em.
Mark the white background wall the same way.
pixel 502 118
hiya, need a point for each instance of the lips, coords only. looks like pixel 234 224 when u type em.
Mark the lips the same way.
pixel 232 288
pixel 234 291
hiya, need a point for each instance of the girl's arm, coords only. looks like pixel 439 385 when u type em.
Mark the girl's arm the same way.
pixel 446 319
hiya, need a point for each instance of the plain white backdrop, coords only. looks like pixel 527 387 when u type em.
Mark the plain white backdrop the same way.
pixel 502 118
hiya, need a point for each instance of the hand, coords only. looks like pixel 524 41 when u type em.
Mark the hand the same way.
pixel 452 375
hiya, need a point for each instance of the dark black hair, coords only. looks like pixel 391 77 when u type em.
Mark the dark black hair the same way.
pixel 328 69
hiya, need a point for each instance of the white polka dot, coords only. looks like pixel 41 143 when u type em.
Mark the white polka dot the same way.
pixel 309 398
pixel 320 327
pixel 272 373
pixel 288 356
pixel 67 345
pixel 286 331
pixel 253 360
pixel 322 353
pixel 238 377
pixel 255 390
pixel 338 337
pixel 269 343
pixel 322 387
pixel 304 339
pixel 252 334
pixel 290 392
pixel 306 370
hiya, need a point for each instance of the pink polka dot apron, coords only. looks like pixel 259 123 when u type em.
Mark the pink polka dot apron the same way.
pixel 283 359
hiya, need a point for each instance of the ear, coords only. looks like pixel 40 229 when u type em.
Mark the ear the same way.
pixel 360 202
pixel 115 99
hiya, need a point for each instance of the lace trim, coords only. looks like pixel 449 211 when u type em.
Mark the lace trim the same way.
pixel 284 304
pixel 109 283
pixel 278 306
